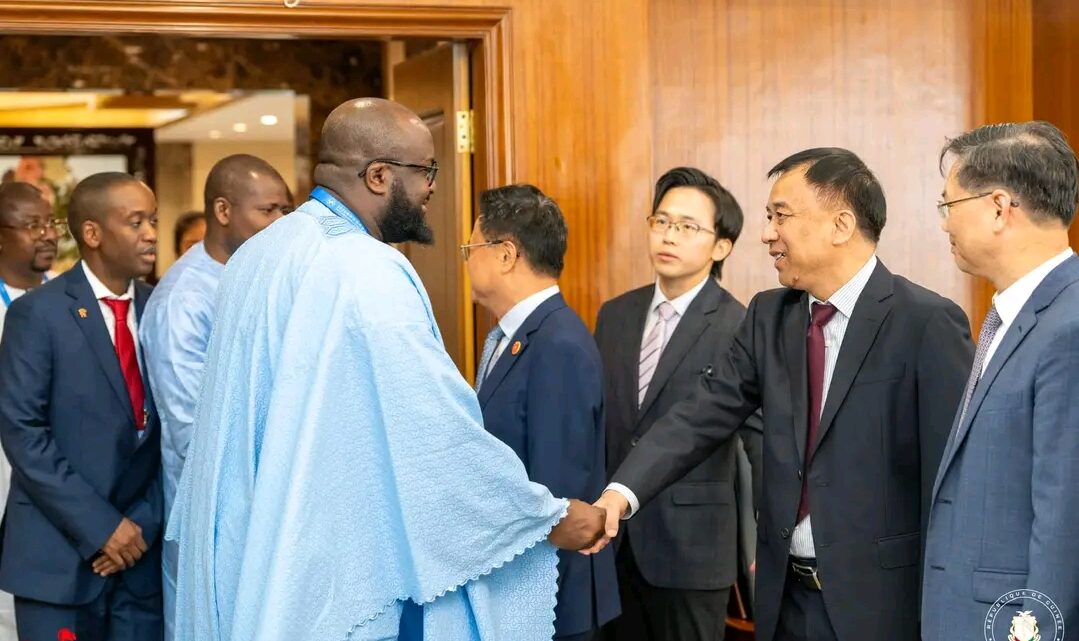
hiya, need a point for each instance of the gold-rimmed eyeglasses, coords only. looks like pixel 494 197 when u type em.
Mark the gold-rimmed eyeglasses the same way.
pixel 685 228
pixel 466 250
pixel 39 230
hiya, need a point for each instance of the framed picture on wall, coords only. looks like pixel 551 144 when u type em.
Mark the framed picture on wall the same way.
pixel 55 160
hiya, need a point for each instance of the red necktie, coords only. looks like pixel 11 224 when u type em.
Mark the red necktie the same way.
pixel 822 313
pixel 129 362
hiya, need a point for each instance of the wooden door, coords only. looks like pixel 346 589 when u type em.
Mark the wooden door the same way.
pixel 435 84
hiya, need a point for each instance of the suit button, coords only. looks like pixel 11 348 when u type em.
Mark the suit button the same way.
pixel 785 533
pixel 799 475
pixel 633 442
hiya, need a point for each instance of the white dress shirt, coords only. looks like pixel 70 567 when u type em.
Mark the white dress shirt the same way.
pixel 102 291
pixel 680 304
pixel 516 317
pixel 1010 301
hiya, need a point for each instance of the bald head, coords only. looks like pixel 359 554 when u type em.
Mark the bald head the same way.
pixel 362 130
pixel 244 195
pixel 379 159
pixel 16 197
pixel 234 178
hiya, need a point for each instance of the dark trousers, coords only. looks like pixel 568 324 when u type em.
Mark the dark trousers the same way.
pixel 663 614
pixel 115 615
pixel 802 616
pixel 584 636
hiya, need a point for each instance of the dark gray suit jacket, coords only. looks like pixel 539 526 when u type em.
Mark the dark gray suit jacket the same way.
pixel 1006 504
pixel 900 374
pixel 686 538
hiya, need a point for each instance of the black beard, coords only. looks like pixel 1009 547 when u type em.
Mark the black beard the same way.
pixel 403 220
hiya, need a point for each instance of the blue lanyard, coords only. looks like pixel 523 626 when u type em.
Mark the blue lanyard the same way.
pixel 339 208
pixel 7 297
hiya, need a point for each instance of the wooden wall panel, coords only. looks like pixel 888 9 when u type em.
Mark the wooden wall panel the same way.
pixel 1056 70
pixel 606 94
pixel 741 84
pixel 1003 88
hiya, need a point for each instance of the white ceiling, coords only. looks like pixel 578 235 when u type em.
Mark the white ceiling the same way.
pixel 221 123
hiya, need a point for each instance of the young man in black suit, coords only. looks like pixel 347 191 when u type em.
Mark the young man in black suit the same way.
pixel 677 559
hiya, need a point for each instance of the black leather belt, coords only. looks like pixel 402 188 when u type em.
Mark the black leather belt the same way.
pixel 804 571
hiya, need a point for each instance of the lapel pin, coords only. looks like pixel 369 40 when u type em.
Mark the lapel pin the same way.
pixel 516 349
pixel 82 312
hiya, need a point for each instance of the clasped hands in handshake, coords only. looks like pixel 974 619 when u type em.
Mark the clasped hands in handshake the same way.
pixel 589 528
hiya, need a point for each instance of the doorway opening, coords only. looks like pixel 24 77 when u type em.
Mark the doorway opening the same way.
pixel 167 71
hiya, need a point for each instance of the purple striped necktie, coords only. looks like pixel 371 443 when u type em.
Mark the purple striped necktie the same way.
pixel 652 348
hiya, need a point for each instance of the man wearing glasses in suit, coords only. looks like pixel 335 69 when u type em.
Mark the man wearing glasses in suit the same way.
pixel 677 558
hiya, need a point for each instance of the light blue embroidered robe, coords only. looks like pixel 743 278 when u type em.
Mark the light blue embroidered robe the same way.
pixel 175 332
pixel 339 466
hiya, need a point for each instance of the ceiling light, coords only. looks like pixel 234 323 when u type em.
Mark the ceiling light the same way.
pixel 269 120
pixel 239 127
pixel 214 134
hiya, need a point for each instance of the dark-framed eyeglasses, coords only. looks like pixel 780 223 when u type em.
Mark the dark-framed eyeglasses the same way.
pixel 466 250
pixel 39 230
pixel 430 170
pixel 686 228
pixel 943 207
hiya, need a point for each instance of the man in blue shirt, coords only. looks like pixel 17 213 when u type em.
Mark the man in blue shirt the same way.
pixel 243 195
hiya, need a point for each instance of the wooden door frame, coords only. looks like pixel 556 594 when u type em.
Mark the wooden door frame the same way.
pixel 338 19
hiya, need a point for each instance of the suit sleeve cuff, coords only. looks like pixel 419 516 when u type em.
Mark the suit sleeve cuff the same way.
pixel 634 504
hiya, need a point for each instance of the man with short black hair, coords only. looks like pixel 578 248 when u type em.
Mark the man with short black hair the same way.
pixel 540 380
pixel 28 241
pixel 656 341
pixel 189 231
pixel 243 195
pixel 857 373
pixel 1005 514
pixel 80 548
pixel 28 237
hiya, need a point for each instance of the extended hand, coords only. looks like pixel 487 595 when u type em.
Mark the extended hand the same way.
pixel 125 546
pixel 616 506
pixel 580 528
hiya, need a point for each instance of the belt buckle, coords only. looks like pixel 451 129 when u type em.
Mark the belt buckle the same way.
pixel 808 572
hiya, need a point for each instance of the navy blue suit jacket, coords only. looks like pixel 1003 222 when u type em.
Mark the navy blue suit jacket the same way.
pixel 67 426
pixel 544 398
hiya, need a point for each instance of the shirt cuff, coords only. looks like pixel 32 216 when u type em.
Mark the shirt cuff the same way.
pixel 634 505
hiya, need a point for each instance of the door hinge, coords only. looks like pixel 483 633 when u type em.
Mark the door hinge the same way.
pixel 465 132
